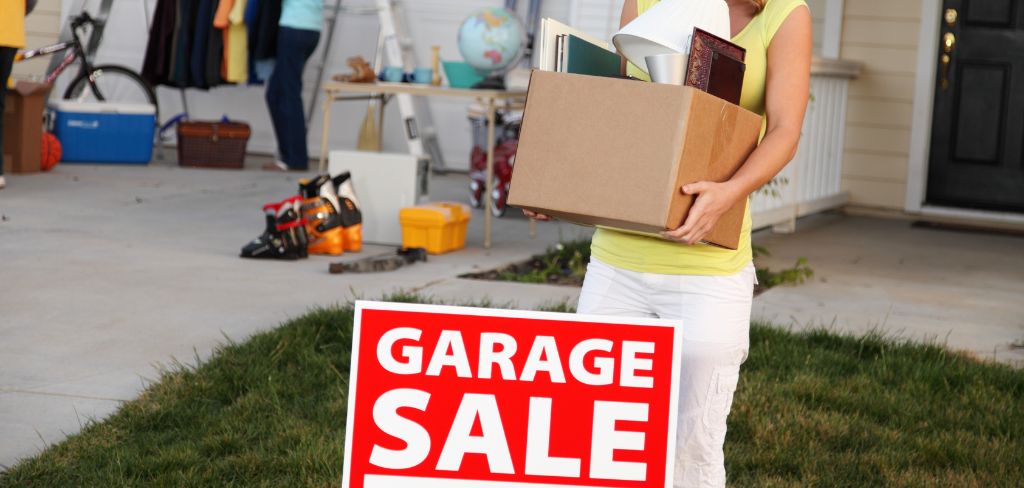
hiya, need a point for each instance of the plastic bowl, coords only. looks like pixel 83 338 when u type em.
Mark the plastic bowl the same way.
pixel 461 75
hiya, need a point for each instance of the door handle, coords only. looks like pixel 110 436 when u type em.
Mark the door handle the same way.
pixel 948 43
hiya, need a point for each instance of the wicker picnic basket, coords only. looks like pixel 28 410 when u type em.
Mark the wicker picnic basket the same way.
pixel 212 144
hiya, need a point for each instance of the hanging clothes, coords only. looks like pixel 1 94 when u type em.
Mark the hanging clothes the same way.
pixel 214 54
pixel 161 35
pixel 220 21
pixel 205 43
pixel 238 44
pixel 201 44
pixel 263 35
pixel 186 24
pixel 251 12
pixel 262 18
pixel 172 51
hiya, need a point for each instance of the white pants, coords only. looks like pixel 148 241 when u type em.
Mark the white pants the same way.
pixel 715 313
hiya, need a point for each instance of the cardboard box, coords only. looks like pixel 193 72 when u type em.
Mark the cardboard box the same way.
pixel 614 152
pixel 23 127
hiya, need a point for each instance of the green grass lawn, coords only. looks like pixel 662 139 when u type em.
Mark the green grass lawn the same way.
pixel 813 409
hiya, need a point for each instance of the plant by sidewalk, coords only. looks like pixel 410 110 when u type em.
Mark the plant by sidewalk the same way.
pixel 767 278
pixel 812 409
pixel 566 264
pixel 563 264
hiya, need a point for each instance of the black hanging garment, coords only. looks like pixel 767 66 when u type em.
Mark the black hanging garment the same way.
pixel 158 49
pixel 183 43
pixel 214 56
pixel 263 28
pixel 201 44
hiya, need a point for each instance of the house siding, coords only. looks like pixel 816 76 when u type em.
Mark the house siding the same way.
pixel 881 34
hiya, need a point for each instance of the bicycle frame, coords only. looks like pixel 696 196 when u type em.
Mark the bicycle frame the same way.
pixel 75 45
pixel 44 51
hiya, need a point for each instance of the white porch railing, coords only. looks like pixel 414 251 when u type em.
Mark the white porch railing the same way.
pixel 811 182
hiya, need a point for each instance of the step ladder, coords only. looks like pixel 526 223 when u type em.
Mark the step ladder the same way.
pixel 417 122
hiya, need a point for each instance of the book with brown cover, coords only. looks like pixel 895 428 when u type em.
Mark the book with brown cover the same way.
pixel 726 78
pixel 716 66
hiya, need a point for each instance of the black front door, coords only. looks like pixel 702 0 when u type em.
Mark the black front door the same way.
pixel 977 150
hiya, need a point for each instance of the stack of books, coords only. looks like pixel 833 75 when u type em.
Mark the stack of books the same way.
pixel 568 50
pixel 715 65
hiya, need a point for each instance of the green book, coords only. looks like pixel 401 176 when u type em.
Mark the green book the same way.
pixel 586 58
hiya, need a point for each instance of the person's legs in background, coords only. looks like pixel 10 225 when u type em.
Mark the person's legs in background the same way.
pixel 284 94
pixel 6 64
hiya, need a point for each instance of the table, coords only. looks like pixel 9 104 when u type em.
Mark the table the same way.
pixel 334 90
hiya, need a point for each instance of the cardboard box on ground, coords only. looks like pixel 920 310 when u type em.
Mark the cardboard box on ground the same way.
pixel 615 152
pixel 23 127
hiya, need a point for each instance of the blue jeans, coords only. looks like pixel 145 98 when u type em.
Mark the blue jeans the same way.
pixel 284 94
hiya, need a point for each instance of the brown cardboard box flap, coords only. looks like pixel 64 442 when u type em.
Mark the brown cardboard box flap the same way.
pixel 27 88
pixel 615 152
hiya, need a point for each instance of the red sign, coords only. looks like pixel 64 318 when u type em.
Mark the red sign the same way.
pixel 459 397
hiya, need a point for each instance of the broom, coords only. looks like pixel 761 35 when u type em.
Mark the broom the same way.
pixel 369 134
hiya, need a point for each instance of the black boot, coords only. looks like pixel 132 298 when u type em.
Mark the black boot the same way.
pixel 284 236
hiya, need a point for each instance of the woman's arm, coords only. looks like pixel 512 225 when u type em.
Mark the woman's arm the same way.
pixel 629 11
pixel 786 92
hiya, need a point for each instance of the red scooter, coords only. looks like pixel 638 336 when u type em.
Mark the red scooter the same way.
pixel 506 141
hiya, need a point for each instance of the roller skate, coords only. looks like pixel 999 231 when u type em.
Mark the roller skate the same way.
pixel 348 210
pixel 285 234
pixel 320 211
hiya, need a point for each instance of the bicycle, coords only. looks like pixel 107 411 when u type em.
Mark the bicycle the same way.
pixel 103 83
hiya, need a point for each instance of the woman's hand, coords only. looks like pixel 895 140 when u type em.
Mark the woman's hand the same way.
pixel 713 200
pixel 536 216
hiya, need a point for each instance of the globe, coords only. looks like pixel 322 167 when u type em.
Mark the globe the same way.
pixel 492 40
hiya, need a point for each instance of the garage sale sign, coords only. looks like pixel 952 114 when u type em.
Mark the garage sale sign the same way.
pixel 453 397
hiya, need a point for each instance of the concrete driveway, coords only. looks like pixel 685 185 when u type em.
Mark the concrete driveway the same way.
pixel 110 271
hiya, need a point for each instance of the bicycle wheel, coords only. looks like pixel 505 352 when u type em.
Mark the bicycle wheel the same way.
pixel 115 84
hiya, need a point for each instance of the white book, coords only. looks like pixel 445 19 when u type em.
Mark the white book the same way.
pixel 550 29
pixel 560 53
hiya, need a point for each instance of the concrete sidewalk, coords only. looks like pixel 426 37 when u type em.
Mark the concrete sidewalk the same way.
pixel 110 271
pixel 961 289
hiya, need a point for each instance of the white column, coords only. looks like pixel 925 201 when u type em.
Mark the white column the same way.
pixel 833 29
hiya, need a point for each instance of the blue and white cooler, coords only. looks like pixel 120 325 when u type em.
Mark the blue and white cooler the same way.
pixel 118 133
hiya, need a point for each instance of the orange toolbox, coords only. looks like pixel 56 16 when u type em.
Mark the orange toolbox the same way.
pixel 437 227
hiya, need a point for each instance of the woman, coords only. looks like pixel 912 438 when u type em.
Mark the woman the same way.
pixel 12 37
pixel 710 289
pixel 300 24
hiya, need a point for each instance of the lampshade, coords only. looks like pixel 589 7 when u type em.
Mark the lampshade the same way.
pixel 667 27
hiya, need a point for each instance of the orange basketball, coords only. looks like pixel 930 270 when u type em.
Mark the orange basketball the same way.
pixel 50 152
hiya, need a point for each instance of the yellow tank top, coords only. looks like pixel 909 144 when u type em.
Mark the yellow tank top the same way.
pixel 651 254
